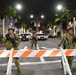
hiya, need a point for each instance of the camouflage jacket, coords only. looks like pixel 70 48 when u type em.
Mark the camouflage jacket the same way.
pixel 67 40
pixel 33 38
pixel 9 44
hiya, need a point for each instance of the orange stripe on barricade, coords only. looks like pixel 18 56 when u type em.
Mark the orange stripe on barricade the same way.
pixel 26 53
pixel 54 53
pixel 40 53
pixel 68 52
pixel 1 51
pixel 14 52
pixel 8 55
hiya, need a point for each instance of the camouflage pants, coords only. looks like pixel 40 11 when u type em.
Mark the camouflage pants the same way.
pixel 33 44
pixel 70 60
pixel 17 63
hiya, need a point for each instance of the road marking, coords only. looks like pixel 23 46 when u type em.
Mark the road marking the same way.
pixel 47 48
pixel 35 63
pixel 41 58
pixel 53 43
pixel 25 48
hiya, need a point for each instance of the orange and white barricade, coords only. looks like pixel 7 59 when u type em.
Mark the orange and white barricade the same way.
pixel 39 53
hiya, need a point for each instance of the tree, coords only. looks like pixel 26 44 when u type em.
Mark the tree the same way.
pixel 50 24
pixel 7 11
pixel 23 24
pixel 18 25
pixel 65 16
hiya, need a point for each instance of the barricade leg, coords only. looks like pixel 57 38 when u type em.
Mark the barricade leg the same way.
pixel 9 66
pixel 65 63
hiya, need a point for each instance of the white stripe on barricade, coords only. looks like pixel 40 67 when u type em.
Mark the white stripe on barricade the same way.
pixel 33 53
pixel 65 63
pixel 9 66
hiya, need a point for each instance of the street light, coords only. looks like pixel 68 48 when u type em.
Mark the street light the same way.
pixel 19 6
pixel 31 16
pixel 59 7
pixel 36 20
pixel 42 16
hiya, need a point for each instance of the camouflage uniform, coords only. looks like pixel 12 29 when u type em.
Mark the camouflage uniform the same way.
pixel 9 45
pixel 67 39
pixel 33 40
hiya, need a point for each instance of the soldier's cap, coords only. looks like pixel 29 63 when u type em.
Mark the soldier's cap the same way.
pixel 11 29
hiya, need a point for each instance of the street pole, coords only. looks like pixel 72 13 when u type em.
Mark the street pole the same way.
pixel 37 24
pixel 3 27
pixel 74 25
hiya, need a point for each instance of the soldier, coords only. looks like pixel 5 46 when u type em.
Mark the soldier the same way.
pixel 69 40
pixel 11 40
pixel 33 40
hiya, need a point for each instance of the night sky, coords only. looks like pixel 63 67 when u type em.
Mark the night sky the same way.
pixel 39 7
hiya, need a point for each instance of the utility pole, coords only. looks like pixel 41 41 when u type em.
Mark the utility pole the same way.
pixel 3 27
pixel 74 26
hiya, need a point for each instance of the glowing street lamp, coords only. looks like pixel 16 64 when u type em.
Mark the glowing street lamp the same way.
pixel 18 6
pixel 31 16
pixel 42 16
pixel 59 7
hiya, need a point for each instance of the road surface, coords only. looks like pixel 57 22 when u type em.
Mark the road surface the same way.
pixel 31 66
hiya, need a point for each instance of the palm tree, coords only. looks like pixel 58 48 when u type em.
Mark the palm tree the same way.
pixel 59 18
pixel 23 24
pixel 66 13
pixel 50 24
pixel 6 11
pixel 10 12
pixel 62 17
pixel 18 25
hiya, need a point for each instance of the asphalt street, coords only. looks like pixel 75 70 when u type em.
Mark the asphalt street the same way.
pixel 32 66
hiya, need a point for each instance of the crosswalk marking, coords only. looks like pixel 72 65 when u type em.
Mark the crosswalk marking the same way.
pixel 41 58
pixel 34 63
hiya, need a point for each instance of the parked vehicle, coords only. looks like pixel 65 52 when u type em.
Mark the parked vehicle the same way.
pixel 42 36
pixel 25 36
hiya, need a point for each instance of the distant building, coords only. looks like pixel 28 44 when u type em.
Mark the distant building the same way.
pixel 8 23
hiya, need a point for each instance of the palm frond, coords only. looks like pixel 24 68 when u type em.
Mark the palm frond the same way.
pixel 56 20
